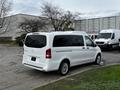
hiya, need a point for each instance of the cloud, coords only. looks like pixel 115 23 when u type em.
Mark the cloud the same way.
pixel 26 6
pixel 89 5
pixel 82 6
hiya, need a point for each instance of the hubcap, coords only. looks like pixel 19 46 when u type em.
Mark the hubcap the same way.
pixel 98 59
pixel 64 68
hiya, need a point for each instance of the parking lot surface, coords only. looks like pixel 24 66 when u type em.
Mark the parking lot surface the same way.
pixel 15 76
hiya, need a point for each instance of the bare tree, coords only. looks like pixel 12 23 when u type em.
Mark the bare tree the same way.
pixel 5 7
pixel 59 19
pixel 54 16
pixel 32 25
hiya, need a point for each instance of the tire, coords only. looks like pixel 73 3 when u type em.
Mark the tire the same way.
pixel 64 68
pixel 98 59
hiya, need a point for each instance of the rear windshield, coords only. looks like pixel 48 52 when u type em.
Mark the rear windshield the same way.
pixel 35 41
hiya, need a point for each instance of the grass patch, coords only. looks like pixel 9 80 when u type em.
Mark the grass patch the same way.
pixel 105 78
pixel 9 42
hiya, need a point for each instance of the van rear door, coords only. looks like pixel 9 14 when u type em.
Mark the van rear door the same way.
pixel 34 50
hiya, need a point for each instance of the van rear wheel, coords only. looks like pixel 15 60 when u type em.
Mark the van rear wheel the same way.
pixel 64 68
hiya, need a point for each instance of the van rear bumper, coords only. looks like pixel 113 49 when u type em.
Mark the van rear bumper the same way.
pixel 46 68
pixel 35 67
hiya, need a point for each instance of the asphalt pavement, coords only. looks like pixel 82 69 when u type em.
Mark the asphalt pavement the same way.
pixel 15 76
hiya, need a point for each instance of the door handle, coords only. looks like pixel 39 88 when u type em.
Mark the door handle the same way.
pixel 87 47
pixel 83 47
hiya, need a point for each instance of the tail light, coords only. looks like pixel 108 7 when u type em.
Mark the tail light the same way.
pixel 48 54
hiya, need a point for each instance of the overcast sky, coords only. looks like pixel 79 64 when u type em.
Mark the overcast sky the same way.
pixel 82 6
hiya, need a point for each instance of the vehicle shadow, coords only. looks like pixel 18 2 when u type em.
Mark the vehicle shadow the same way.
pixel 75 69
pixel 111 51
pixel 86 67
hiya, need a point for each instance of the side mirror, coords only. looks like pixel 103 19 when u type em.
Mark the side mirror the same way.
pixel 113 36
pixel 119 40
pixel 94 45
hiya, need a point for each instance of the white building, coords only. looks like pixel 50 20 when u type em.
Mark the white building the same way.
pixel 96 23
pixel 12 25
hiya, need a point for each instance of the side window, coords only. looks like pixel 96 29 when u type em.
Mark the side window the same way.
pixel 68 40
pixel 88 41
pixel 58 41
pixel 95 36
pixel 77 40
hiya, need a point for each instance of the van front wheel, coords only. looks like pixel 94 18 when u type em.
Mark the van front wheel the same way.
pixel 64 68
pixel 98 59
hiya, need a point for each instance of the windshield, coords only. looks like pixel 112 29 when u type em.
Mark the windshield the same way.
pixel 35 41
pixel 104 35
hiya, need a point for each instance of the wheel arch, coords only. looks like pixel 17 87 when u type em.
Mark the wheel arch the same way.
pixel 98 54
pixel 65 60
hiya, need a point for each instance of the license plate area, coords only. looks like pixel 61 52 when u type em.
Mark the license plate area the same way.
pixel 33 59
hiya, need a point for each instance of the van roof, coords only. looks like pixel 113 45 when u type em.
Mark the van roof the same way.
pixel 60 33
pixel 109 31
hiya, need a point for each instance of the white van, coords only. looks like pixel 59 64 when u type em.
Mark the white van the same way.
pixel 49 51
pixel 108 38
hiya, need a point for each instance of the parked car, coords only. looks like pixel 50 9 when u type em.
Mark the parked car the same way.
pixel 108 38
pixel 93 36
pixel 49 51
